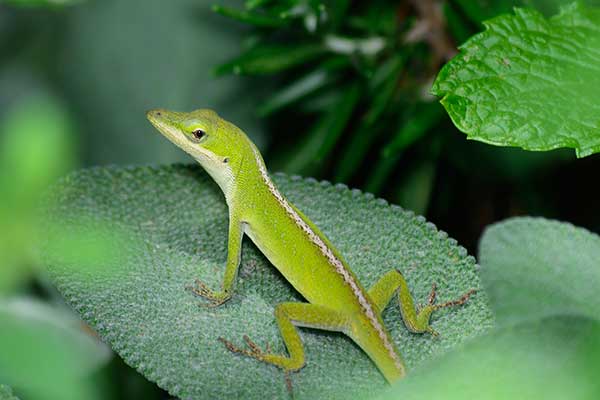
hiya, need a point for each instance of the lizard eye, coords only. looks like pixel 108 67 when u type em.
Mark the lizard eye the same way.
pixel 198 133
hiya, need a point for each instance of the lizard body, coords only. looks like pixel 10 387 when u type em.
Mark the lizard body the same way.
pixel 296 247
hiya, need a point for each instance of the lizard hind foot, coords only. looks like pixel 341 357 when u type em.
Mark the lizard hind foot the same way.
pixel 253 350
pixel 458 302
pixel 257 353
pixel 266 356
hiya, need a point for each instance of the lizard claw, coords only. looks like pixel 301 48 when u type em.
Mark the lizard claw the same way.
pixel 432 294
pixel 253 346
pixel 254 350
pixel 257 353
pixel 433 332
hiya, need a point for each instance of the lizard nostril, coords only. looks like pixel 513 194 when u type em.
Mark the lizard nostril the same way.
pixel 158 113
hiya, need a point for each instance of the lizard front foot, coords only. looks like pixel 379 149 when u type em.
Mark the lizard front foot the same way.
pixel 215 299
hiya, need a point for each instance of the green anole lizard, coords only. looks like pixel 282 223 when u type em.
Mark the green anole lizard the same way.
pixel 296 247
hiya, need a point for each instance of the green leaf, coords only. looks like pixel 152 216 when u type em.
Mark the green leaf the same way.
pixel 533 268
pixel 303 87
pixel 415 189
pixel 414 125
pixel 252 4
pixel 321 139
pixel 36 148
pixel 424 117
pixel 366 133
pixel 177 220
pixel 529 81
pixel 45 353
pixel 294 92
pixel 263 59
pixel 552 359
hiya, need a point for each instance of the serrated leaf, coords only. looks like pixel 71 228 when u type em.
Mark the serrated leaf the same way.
pixel 528 81
pixel 533 268
pixel 177 220
pixel 551 359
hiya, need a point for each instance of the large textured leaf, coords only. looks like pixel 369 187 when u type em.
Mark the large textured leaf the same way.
pixel 529 81
pixel 173 222
pixel 533 268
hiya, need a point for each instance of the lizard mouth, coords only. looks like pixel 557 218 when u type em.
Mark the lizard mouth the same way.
pixel 166 123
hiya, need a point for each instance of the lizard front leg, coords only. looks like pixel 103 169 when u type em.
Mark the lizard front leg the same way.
pixel 234 250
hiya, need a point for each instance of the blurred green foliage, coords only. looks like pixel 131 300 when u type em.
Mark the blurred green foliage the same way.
pixel 334 89
pixel 108 76
pixel 541 277
pixel 550 359
pixel 6 393
pixel 74 84
pixel 351 102
pixel 45 355
pixel 536 268
pixel 40 3
pixel 352 72
pixel 37 146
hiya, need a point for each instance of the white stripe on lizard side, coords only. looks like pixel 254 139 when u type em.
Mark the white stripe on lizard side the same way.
pixel 333 260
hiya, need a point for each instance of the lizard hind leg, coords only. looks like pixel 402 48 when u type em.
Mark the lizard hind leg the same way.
pixel 424 315
pixel 289 316
pixel 415 318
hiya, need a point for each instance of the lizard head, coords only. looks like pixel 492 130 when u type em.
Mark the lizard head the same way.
pixel 216 144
